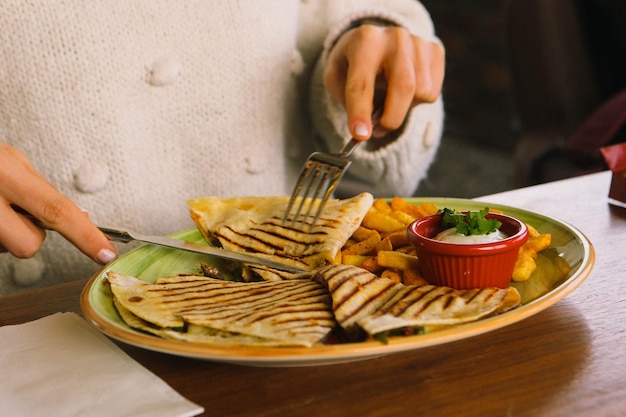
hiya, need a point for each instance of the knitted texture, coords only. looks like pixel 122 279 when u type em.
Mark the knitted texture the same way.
pixel 132 107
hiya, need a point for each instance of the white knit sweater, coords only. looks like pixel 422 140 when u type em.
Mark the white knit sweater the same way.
pixel 132 107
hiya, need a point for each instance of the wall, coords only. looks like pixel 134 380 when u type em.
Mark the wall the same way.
pixel 476 91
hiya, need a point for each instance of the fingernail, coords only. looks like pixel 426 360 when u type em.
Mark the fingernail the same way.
pixel 361 129
pixel 105 256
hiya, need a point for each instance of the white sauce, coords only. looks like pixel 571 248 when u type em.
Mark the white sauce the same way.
pixel 451 236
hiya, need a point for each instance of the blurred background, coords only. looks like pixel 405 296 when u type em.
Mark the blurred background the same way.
pixel 521 77
pixel 476 154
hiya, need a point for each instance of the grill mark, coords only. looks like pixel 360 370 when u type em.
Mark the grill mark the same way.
pixel 265 249
pixel 306 315
pixel 402 301
pixel 476 294
pixel 321 223
pixel 267 238
pixel 241 296
pixel 412 300
pixel 210 292
pixel 346 317
pixel 229 311
pixel 295 316
pixel 346 275
pixel 273 247
pixel 312 319
pixel 342 275
pixel 221 293
pixel 427 304
pixel 337 283
pixel 490 295
pixel 280 231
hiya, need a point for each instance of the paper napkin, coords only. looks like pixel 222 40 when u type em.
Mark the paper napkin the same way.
pixel 61 366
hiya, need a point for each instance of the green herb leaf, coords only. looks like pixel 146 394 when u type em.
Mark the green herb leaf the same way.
pixel 470 223
pixel 381 337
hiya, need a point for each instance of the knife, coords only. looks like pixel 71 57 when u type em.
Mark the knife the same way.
pixel 125 235
pixel 128 236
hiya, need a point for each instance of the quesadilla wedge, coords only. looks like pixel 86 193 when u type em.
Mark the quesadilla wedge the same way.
pixel 255 224
pixel 297 312
pixel 273 313
pixel 192 333
pixel 379 305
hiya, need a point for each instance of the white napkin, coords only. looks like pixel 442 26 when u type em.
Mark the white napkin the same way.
pixel 61 366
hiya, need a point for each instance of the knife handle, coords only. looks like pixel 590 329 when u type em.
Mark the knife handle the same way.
pixel 113 234
pixel 116 234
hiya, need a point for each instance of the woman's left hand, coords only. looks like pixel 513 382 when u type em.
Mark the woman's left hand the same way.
pixel 373 58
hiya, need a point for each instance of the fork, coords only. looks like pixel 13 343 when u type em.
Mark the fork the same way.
pixel 320 175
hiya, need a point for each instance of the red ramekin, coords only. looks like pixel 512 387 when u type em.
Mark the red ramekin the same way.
pixel 467 266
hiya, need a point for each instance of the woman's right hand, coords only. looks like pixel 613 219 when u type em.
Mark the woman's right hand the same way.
pixel 23 186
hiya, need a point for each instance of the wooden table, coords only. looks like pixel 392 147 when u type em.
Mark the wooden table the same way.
pixel 565 361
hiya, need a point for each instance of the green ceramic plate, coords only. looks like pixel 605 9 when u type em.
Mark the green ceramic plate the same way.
pixel 543 289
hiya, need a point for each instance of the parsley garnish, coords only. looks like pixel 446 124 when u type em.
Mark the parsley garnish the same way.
pixel 472 223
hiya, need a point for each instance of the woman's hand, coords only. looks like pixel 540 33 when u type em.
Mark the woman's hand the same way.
pixel 372 58
pixel 23 186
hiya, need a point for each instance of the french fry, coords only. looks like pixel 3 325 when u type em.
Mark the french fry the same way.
pixel 398 238
pixel 382 206
pixel 384 245
pixel 396 260
pixel 428 209
pixel 400 204
pixel 382 222
pixel 356 260
pixel 407 249
pixel 532 232
pixel 526 259
pixel 363 247
pixel 538 243
pixel 415 210
pixel 413 277
pixel 363 233
pixel 405 218
pixel 349 243
pixel 371 265
pixel 392 275
pixel 524 267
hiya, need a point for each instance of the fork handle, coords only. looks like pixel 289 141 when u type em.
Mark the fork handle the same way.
pixel 349 147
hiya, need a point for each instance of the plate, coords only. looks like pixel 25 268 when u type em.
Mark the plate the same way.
pixel 149 262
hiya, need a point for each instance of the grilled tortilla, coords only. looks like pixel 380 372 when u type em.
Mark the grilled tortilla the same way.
pixel 378 304
pixel 192 333
pixel 276 313
pixel 254 224
pixel 298 312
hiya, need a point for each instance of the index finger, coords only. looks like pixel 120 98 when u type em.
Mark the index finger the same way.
pixel 24 187
pixel 62 215
pixel 360 90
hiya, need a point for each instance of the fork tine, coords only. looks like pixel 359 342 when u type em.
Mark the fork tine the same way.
pixel 323 173
pixel 309 180
pixel 333 181
pixel 314 181
pixel 319 177
pixel 304 174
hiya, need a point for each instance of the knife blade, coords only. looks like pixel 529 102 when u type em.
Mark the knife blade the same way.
pixel 128 236
pixel 125 236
